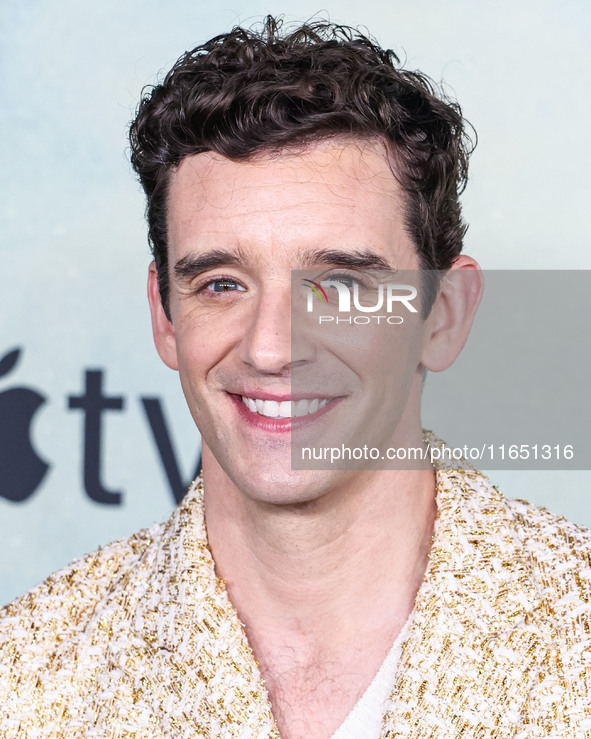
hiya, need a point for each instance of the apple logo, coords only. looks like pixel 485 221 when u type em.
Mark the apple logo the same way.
pixel 21 469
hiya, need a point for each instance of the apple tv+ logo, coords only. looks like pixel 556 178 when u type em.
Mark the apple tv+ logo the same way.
pixel 22 470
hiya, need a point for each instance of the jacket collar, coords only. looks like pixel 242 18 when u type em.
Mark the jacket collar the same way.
pixel 201 672
pixel 475 642
pixel 466 666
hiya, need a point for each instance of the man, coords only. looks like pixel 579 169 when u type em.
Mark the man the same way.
pixel 308 603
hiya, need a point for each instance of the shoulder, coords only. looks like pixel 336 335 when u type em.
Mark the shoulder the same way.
pixel 50 633
pixel 560 555
pixel 73 591
pixel 557 556
pixel 518 542
pixel 40 630
pixel 525 574
pixel 557 550
pixel 136 638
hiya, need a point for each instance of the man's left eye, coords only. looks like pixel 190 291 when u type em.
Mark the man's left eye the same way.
pixel 223 286
pixel 347 280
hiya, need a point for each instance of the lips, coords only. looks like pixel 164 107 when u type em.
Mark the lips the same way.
pixel 284 408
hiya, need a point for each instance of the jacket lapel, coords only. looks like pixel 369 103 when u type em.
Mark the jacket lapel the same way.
pixel 188 664
pixel 477 636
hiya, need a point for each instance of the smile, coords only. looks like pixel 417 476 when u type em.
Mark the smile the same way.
pixel 284 408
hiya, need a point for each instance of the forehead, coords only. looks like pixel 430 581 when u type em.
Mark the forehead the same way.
pixel 332 194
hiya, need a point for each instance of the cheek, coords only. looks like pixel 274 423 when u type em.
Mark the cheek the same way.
pixel 392 380
pixel 391 373
pixel 384 355
pixel 202 345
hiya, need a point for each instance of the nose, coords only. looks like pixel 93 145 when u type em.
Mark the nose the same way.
pixel 266 343
pixel 269 344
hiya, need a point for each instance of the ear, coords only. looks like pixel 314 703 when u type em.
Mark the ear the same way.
pixel 162 328
pixel 451 317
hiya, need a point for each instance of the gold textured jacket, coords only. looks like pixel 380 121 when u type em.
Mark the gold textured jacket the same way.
pixel 139 640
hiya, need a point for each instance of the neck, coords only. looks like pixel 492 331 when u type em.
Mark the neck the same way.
pixel 321 574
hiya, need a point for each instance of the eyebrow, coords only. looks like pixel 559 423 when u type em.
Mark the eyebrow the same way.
pixel 192 265
pixel 356 259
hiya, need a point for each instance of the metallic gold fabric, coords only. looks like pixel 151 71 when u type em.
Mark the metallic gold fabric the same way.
pixel 139 640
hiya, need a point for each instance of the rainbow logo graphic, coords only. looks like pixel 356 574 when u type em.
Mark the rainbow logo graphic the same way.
pixel 315 287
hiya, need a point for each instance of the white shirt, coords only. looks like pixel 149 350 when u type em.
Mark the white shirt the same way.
pixel 365 719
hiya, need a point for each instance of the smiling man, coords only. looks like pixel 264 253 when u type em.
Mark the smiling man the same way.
pixel 281 599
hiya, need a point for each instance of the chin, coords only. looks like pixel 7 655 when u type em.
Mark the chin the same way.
pixel 281 486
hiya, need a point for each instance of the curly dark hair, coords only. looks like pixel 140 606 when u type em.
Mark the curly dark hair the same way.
pixel 258 90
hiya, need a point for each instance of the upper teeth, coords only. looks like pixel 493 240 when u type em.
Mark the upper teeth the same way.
pixel 285 408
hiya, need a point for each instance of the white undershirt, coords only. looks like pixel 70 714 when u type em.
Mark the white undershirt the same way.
pixel 365 719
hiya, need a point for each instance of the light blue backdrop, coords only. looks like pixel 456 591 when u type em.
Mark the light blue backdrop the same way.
pixel 73 245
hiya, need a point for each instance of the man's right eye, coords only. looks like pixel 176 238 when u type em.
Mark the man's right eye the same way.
pixel 223 286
